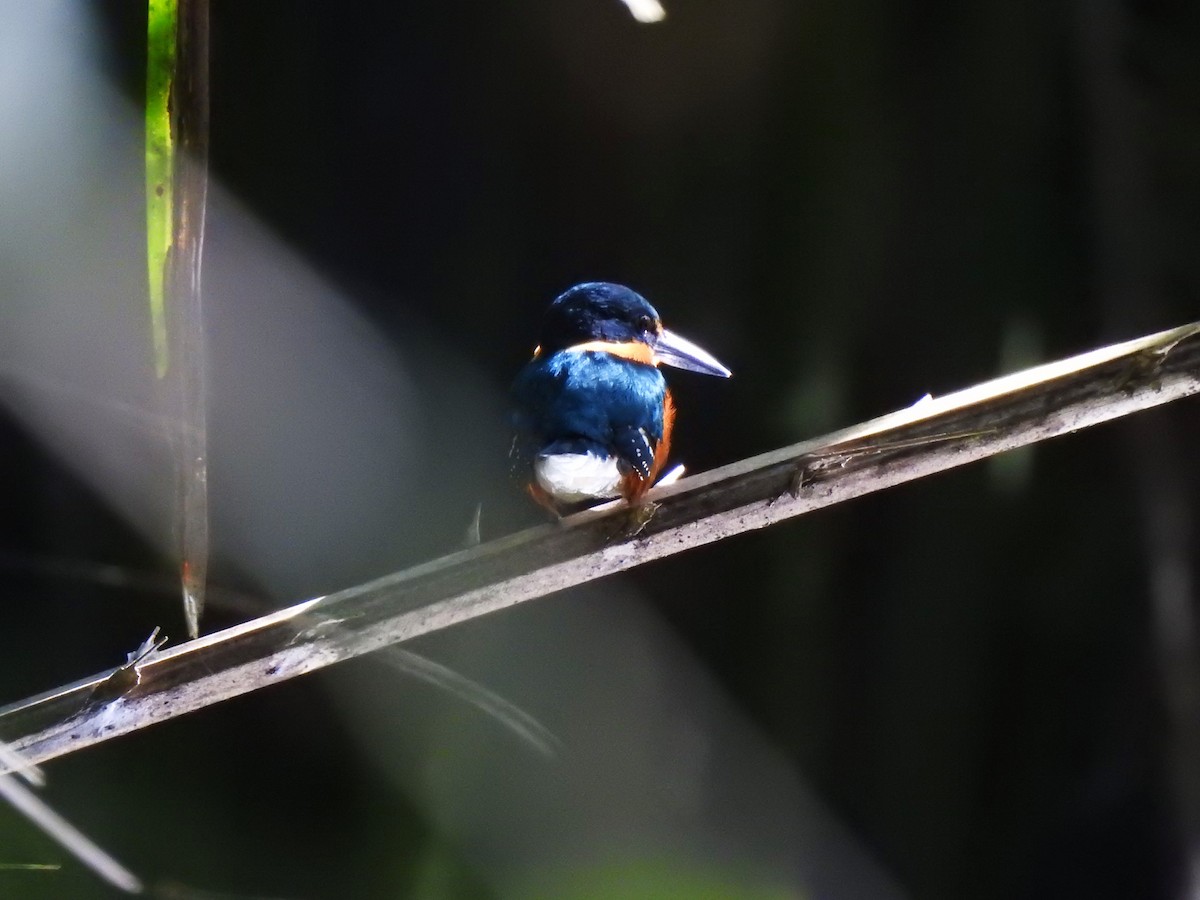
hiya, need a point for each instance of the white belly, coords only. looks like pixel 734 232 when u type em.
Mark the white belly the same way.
pixel 572 477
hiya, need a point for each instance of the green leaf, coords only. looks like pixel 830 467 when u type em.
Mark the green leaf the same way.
pixel 161 29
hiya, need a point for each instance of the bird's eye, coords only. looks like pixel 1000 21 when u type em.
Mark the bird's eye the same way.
pixel 646 323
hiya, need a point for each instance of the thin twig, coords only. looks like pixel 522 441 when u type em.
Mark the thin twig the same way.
pixel 55 826
pixel 931 436
pixel 71 838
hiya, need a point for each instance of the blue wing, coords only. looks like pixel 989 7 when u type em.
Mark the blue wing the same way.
pixel 589 401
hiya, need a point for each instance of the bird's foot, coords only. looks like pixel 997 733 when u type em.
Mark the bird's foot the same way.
pixel 638 517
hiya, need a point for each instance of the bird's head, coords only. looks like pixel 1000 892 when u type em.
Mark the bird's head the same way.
pixel 598 315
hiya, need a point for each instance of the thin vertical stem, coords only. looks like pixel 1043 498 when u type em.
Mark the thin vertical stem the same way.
pixel 189 121
pixel 161 27
pixel 177 104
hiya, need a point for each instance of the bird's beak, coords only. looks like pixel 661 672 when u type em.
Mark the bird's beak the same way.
pixel 672 350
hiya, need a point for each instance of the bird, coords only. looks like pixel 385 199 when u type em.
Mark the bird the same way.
pixel 592 414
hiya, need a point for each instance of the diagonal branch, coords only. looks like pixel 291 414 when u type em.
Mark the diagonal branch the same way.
pixel 931 436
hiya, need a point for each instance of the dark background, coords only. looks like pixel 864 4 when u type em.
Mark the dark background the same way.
pixel 851 204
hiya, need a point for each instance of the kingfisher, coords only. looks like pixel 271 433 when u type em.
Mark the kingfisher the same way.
pixel 592 412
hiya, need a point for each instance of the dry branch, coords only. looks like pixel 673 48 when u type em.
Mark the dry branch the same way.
pixel 933 435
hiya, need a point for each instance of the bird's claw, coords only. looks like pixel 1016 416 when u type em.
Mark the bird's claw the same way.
pixel 639 517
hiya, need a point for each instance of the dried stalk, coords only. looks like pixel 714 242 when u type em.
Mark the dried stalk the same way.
pixel 931 436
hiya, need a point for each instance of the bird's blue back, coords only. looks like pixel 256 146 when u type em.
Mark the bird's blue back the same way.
pixel 575 401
